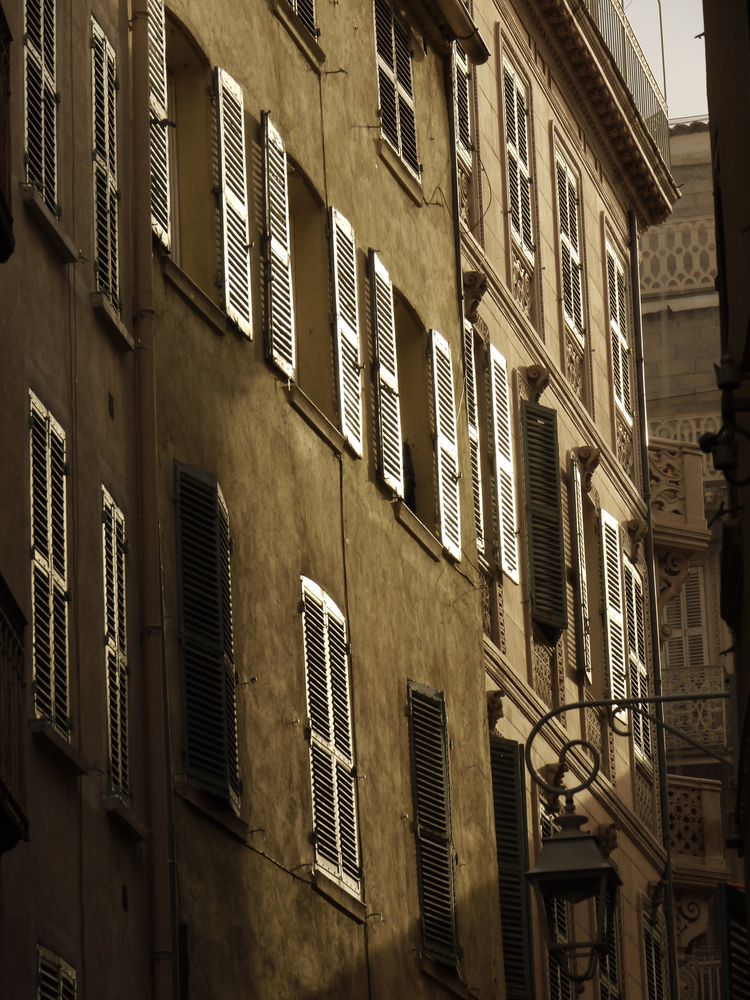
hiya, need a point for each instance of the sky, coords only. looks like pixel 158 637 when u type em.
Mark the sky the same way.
pixel 684 53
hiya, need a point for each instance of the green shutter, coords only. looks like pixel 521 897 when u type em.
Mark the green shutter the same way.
pixel 544 518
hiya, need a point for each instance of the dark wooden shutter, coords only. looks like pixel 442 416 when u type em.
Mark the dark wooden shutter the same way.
pixel 509 796
pixel 204 579
pixel 431 786
pixel 544 517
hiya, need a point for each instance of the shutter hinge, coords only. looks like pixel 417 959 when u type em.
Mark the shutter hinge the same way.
pixel 311 837
pixel 58 97
pixel 301 607
pixel 308 731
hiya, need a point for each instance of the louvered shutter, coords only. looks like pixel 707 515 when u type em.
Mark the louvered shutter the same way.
pixel 346 322
pixel 49 578
pixel 207 647
pixel 614 625
pixel 509 798
pixel 654 962
pixel 462 105
pixel 517 148
pixel 637 657
pixel 158 111
pixel 115 644
pixel 549 606
pixel 686 616
pixel 104 87
pixel 570 254
pixel 505 484
pixel 41 99
pixel 305 10
pixel 618 326
pixel 395 87
pixel 280 336
pixel 230 127
pixel 583 625
pixel 470 379
pixel 386 361
pixel 431 785
pixel 446 445
pixel 56 980
pixel 609 960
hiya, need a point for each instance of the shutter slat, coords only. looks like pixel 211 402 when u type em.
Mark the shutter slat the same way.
pixel 386 359
pixel 446 447
pixel 280 331
pixel 505 483
pixel 346 312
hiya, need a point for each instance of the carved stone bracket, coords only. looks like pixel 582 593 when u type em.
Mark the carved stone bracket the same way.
pixel 475 285
pixel 553 774
pixel 537 378
pixel 522 277
pixel 673 570
pixel 574 365
pixel 588 458
pixel 625 445
pixel 607 837
pixel 495 707
pixel 667 473
pixel 691 917
pixel 636 530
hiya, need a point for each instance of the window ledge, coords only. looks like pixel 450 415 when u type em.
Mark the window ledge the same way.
pixel 315 418
pixel 195 296
pixel 409 520
pixel 340 897
pixel 400 171
pixel 444 975
pixel 212 809
pixel 47 736
pixel 115 326
pixel 49 225
pixel 302 38
pixel 122 816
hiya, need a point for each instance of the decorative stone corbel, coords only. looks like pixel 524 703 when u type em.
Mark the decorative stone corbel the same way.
pixel 607 837
pixel 691 918
pixel 537 378
pixel 553 774
pixel 655 899
pixel 673 570
pixel 475 285
pixel 588 458
pixel 495 707
pixel 636 529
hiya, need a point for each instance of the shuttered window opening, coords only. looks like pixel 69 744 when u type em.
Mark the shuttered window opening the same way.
pixel 618 328
pixel 462 106
pixel 49 572
pixel 509 798
pixel 305 10
pixel 395 86
pixel 390 450
pixel 571 268
pixel 549 605
pixel 578 535
pixel 56 980
pixel 346 322
pixel 518 153
pixel 104 87
pixel 653 961
pixel 637 657
pixel 505 481
pixel 281 345
pixel 207 643
pixel 40 69
pixel 159 115
pixel 446 445
pixel 233 197
pixel 432 806
pixel 115 644
pixel 610 975
pixel 560 987
pixel 472 418
pixel 334 790
pixel 686 616
pixel 614 611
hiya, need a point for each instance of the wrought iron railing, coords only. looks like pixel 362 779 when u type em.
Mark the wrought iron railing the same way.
pixel 704 721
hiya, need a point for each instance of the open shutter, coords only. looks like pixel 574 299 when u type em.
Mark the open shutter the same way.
pixel 159 138
pixel 511 140
pixel 637 657
pixel 41 99
pixel 618 325
pixel 583 627
pixel 614 626
pixel 395 86
pixel 203 571
pixel 462 105
pixel 306 12
pixel 470 379
pixel 505 483
pixel 280 331
pixel 346 319
pixel 56 980
pixel 115 646
pixel 549 606
pixel 446 445
pixel 230 124
pixel 431 785
pixel 509 798
pixel 104 87
pixel 517 149
pixel 386 361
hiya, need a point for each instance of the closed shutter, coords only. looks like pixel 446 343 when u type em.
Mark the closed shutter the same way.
pixel 230 127
pixel 432 805
pixel 505 482
pixel 609 961
pixel 40 123
pixel 570 250
pixel 637 657
pixel 686 617
pixel 654 962
pixel 549 606
pixel 207 645
pixel 104 88
pixel 346 320
pixel 509 798
pixel 333 775
pixel 462 105
pixel 614 625
pixel 517 147
pixel 446 445
pixel 159 139
pixel 386 360
pixel 583 624
pixel 470 379
pixel 115 644
pixel 56 980
pixel 49 575
pixel 618 326
pixel 280 336
pixel 395 87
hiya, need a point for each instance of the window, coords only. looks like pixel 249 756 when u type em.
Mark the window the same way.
pixel 7 242
pixel 637 657
pixel 614 624
pixel 334 788
pixel 432 806
pixel 560 987
pixel 49 574
pixel 569 226
pixel 505 481
pixel 159 120
pixel 610 962
pixel 472 417
pixel 519 176
pixel 207 643
pixel 346 329
pixel 56 980
pixel 104 87
pixel 654 961
pixel 686 617
pixel 618 328
pixel 395 86
pixel 281 341
pixel 115 644
pixel 462 106
pixel 446 446
pixel 41 99
pixel 305 11
pixel 578 535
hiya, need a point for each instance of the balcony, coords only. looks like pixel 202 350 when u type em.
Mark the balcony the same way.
pixel 695 828
pixel 13 823
pixel 703 721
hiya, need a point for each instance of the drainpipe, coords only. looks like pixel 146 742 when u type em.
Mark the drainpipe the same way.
pixel 652 602
pixel 161 907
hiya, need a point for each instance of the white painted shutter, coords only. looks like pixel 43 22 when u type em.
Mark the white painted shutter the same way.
pixel 614 623
pixel 305 10
pixel 637 657
pixel 41 99
pixel 686 616
pixel 462 105
pixel 230 120
pixel 505 484
pixel 446 446
pixel 583 625
pixel 618 325
pixel 158 111
pixel 281 338
pixel 346 313
pixel 386 360
pixel 570 255
pixel 104 87
pixel 470 379
pixel 115 644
